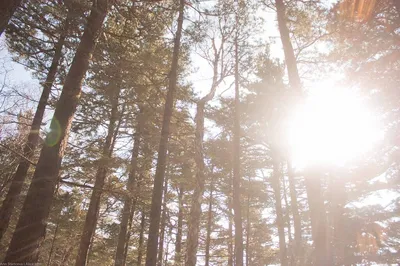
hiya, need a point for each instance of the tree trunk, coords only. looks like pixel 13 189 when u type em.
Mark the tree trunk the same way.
pixel 209 222
pixel 92 214
pixel 178 243
pixel 318 219
pixel 167 249
pixel 52 244
pixel 7 9
pixel 275 182
pixel 163 223
pixel 289 252
pixel 313 187
pixel 55 232
pixel 129 230
pixel 31 229
pixel 230 231
pixel 141 238
pixel 296 217
pixel 237 209
pixel 291 63
pixel 127 210
pixel 33 137
pixel 132 213
pixel 337 202
pixel 195 210
pixel 248 227
pixel 156 201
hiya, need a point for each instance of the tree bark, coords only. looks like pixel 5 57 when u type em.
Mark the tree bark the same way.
pixel 289 251
pixel 237 209
pixel 248 227
pixel 166 259
pixel 141 238
pixel 195 210
pixel 132 213
pixel 20 175
pixel 92 214
pixel 230 233
pixel 128 201
pixel 275 182
pixel 31 229
pixel 338 200
pixel 178 243
pixel 156 201
pixel 52 244
pixel 197 198
pixel 291 63
pixel 129 230
pixel 209 222
pixel 7 9
pixel 163 223
pixel 296 217
pixel 318 219
pixel 313 187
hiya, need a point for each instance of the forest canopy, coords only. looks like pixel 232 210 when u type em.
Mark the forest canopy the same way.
pixel 199 132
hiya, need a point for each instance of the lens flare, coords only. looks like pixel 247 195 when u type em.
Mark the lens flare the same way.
pixel 53 137
pixel 332 126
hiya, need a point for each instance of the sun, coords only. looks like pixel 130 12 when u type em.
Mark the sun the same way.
pixel 331 127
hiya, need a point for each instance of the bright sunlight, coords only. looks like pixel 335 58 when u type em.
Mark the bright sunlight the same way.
pixel 331 127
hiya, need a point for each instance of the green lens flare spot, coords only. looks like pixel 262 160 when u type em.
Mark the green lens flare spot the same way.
pixel 53 137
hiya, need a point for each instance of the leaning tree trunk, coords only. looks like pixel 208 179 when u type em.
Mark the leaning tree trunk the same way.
pixel 92 215
pixel 127 210
pixel 156 201
pixel 237 209
pixel 296 217
pixel 7 9
pixel 31 229
pixel 19 177
pixel 275 182
pixel 178 242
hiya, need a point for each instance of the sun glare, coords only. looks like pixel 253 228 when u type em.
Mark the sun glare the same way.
pixel 331 127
